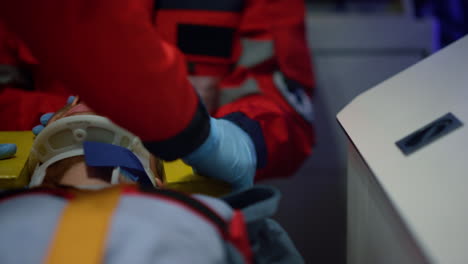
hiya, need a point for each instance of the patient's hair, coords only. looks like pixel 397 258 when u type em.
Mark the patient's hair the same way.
pixel 56 171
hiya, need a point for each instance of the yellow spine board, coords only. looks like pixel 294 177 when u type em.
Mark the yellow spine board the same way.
pixel 181 177
pixel 13 172
pixel 177 175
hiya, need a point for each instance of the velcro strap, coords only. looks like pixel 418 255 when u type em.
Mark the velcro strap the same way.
pixel 239 236
pixel 99 154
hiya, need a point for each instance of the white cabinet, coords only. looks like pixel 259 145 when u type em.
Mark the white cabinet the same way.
pixel 410 208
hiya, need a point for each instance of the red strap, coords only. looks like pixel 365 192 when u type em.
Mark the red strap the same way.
pixel 15 193
pixel 239 237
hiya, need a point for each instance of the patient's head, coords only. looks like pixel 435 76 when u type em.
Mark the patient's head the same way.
pixel 74 171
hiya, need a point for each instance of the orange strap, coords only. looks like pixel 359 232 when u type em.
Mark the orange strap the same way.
pixel 81 234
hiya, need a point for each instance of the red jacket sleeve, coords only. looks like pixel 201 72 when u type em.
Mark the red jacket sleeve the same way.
pixel 108 52
pixel 268 93
pixel 20 109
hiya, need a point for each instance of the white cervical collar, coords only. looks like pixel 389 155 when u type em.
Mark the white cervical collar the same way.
pixel 64 139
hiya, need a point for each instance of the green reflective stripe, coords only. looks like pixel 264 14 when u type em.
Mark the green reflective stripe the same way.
pixel 8 73
pixel 255 52
pixel 230 94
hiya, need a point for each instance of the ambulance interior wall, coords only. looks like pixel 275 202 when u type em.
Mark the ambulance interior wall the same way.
pixel 351 53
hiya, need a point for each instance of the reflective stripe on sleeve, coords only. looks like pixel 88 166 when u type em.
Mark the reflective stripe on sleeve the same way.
pixel 230 94
pixel 8 74
pixel 255 52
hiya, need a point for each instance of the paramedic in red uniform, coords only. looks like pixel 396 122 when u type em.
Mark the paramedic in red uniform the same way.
pixel 134 59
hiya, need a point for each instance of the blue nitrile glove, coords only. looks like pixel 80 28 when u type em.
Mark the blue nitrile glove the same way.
pixel 228 154
pixel 7 150
pixel 44 120
pixel 46 117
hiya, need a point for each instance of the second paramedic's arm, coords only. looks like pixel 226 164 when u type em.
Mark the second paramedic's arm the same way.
pixel 107 52
pixel 268 93
pixel 19 109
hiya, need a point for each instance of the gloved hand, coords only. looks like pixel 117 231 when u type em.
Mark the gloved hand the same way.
pixel 46 117
pixel 7 150
pixel 228 154
pixel 44 120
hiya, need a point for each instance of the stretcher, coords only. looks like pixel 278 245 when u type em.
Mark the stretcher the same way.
pixel 177 175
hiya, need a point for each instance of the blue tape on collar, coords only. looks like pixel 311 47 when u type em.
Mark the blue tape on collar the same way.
pixel 99 154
